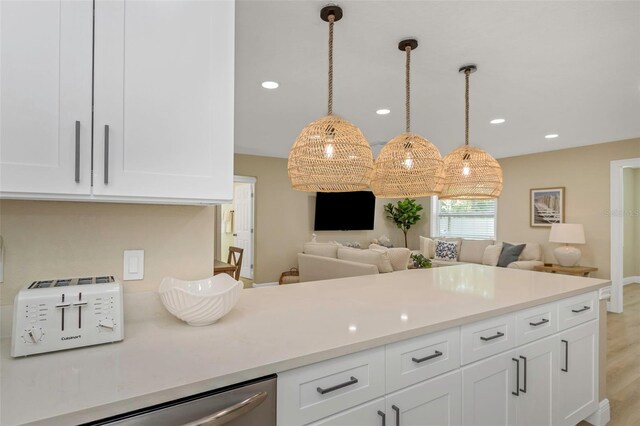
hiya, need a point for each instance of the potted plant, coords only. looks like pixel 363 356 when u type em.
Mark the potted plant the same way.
pixel 405 214
pixel 420 262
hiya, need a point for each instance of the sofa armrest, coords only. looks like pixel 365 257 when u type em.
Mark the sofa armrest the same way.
pixel 525 264
pixel 317 268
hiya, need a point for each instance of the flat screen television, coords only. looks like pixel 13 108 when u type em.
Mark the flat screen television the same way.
pixel 345 211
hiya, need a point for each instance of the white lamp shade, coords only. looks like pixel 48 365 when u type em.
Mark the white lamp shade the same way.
pixel 567 233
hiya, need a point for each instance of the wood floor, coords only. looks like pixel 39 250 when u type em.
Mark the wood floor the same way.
pixel 623 360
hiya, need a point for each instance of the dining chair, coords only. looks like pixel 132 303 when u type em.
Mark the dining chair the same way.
pixel 235 258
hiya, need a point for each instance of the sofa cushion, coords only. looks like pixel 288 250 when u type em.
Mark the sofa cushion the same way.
pixel 321 249
pixel 472 251
pixel 532 251
pixel 316 268
pixel 491 254
pixel 399 256
pixel 446 250
pixel 427 247
pixel 510 253
pixel 379 258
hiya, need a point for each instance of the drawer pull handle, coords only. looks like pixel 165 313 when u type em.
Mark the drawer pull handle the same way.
pixel 495 336
pixel 542 321
pixel 384 417
pixel 427 358
pixel 566 356
pixel 352 381
pixel 584 308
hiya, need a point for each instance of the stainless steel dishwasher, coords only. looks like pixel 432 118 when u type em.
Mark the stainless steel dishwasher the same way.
pixel 245 404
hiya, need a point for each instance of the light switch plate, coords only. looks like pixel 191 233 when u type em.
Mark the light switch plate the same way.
pixel 133 265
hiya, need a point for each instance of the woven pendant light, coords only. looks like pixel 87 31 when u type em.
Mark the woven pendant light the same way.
pixel 330 154
pixel 408 165
pixel 470 172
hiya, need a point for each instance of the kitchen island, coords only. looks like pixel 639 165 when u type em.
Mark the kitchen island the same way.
pixel 271 330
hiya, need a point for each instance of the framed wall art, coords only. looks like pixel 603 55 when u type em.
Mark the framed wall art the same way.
pixel 546 206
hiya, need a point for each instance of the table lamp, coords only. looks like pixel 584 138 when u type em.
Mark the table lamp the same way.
pixel 567 233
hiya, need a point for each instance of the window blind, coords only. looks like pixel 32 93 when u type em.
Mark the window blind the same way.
pixel 467 219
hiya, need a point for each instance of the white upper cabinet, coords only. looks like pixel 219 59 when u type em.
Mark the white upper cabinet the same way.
pixel 164 79
pixel 159 76
pixel 45 87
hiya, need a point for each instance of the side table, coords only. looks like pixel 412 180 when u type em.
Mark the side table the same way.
pixel 570 270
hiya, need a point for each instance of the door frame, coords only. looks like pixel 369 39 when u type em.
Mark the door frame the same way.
pixel 252 181
pixel 616 214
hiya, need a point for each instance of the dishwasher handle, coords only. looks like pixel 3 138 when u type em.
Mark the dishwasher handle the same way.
pixel 228 414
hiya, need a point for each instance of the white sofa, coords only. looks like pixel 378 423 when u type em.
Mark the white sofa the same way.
pixel 474 251
pixel 324 261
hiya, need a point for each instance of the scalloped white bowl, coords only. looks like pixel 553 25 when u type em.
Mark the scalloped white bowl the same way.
pixel 200 302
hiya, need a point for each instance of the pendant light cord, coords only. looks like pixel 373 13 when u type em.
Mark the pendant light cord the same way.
pixel 466 102
pixel 407 105
pixel 330 106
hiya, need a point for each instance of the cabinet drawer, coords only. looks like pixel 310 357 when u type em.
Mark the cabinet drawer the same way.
pixel 536 323
pixel 578 309
pixel 319 390
pixel 488 337
pixel 412 361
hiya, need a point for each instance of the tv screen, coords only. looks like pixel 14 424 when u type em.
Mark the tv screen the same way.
pixel 345 211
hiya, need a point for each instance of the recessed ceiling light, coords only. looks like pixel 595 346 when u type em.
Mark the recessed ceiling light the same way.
pixel 551 136
pixel 383 111
pixel 270 85
pixel 497 121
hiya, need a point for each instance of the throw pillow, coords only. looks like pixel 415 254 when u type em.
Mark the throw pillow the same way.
pixel 427 247
pixel 446 250
pixel 398 256
pixel 510 253
pixel 492 254
pixel 379 258
pixel 321 249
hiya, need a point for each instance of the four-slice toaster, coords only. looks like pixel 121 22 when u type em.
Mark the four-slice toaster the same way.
pixel 59 314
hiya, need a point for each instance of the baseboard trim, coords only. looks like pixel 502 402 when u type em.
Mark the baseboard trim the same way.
pixel 602 416
pixel 630 280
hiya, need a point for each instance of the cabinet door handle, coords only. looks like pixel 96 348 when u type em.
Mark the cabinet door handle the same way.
pixel 566 356
pixel 106 154
pixel 542 321
pixel 384 417
pixel 524 389
pixel 77 152
pixel 517 392
pixel 397 410
pixel 322 391
pixel 584 308
pixel 495 336
pixel 426 358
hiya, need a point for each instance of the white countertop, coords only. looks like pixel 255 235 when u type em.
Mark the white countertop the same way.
pixel 272 329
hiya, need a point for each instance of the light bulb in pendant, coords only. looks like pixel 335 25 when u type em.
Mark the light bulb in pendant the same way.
pixel 408 162
pixel 328 151
pixel 466 170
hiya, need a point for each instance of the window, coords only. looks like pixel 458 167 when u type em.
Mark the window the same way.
pixel 464 218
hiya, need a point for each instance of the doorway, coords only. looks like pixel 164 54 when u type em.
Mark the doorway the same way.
pixel 620 213
pixel 235 225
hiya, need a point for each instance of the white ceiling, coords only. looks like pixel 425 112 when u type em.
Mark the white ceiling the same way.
pixel 571 68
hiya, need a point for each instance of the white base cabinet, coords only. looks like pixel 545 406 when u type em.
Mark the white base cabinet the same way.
pixel 435 402
pixel 486 391
pixel 471 375
pixel 578 379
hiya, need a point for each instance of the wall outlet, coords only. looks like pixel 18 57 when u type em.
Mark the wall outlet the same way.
pixel 133 265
